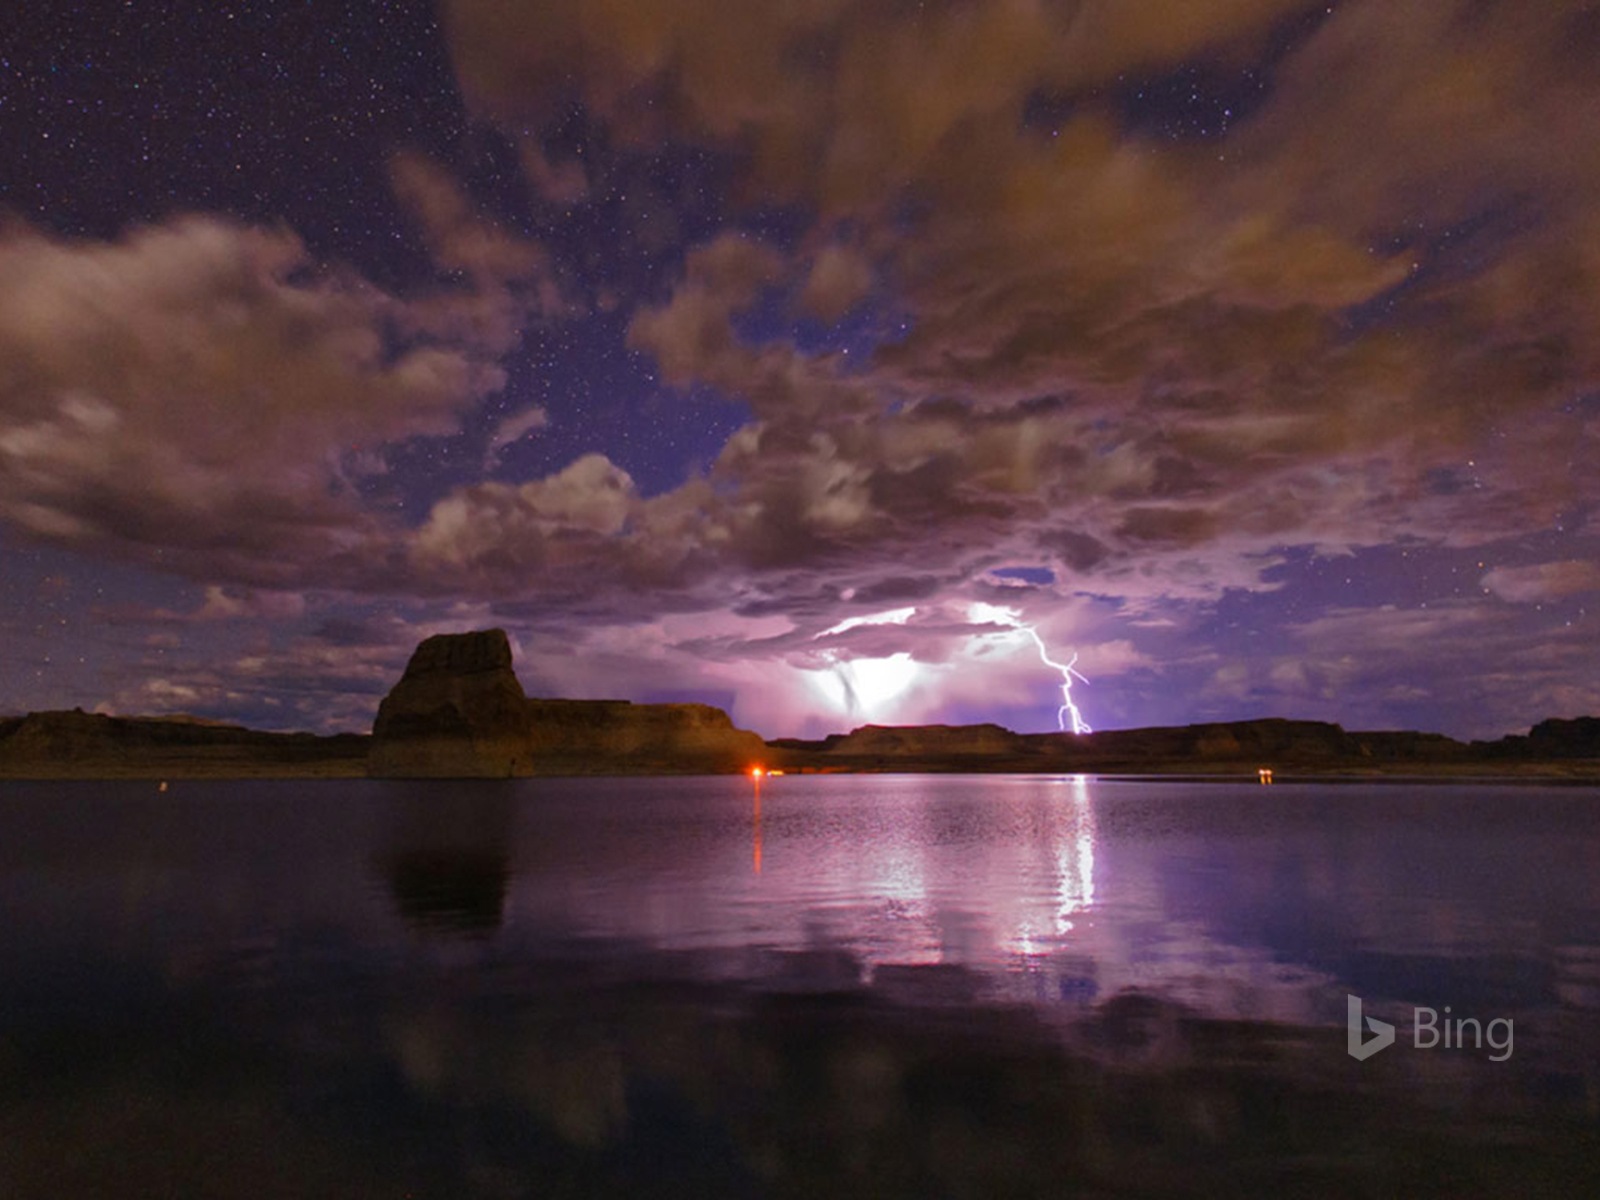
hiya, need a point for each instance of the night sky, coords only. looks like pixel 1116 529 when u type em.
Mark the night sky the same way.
pixel 798 357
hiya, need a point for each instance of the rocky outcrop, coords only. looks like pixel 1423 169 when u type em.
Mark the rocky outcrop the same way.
pixel 81 745
pixel 1232 746
pixel 1232 741
pixel 1577 738
pixel 915 741
pixel 457 712
pixel 1553 740
pixel 583 736
pixel 460 712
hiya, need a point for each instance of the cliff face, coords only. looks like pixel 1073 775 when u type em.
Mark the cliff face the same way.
pixel 459 712
pixel 582 735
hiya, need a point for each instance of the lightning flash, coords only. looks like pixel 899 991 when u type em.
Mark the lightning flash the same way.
pixel 866 684
pixel 997 615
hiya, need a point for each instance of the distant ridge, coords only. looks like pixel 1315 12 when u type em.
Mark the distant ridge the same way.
pixel 1230 746
pixel 459 712
pixel 78 745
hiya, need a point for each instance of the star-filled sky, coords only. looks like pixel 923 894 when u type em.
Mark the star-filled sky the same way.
pixel 801 357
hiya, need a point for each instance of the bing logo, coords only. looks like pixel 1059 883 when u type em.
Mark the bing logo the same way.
pixel 1427 1032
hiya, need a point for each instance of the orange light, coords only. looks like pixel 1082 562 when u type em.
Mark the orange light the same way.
pixel 756 772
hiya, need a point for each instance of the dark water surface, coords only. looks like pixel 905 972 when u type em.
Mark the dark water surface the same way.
pixel 920 986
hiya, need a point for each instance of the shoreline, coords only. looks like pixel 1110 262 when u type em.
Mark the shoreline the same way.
pixel 460 713
pixel 1583 773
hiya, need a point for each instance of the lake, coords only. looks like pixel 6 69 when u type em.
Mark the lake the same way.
pixel 863 985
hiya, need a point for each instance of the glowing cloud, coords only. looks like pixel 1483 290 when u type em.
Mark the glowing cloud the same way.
pixel 867 686
pixel 895 616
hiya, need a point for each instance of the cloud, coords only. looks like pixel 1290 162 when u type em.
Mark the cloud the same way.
pixel 835 103
pixel 1470 666
pixel 510 430
pixel 1124 359
pixel 691 336
pixel 839 279
pixel 1157 367
pixel 198 394
pixel 265 669
pixel 1099 334
pixel 187 390
pixel 1543 582
pixel 507 536
pixel 792 678
pixel 460 239
pixel 228 604
pixel 565 183
pixel 1148 361
pixel 510 277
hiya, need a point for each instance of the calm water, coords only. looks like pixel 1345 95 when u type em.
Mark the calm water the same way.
pixel 870 985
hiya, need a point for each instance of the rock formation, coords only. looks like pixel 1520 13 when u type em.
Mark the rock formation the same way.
pixel 460 712
pixel 1577 738
pixel 1234 746
pixel 580 736
pixel 930 740
pixel 457 712
pixel 82 745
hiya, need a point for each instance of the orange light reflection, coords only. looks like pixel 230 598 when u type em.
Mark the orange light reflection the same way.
pixel 755 853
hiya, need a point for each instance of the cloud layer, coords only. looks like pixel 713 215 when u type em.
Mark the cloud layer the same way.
pixel 1023 308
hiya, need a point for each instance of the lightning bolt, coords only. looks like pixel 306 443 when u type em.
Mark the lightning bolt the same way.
pixel 988 613
pixel 1069 672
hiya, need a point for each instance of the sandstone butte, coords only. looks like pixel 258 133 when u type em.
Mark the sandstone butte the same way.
pixel 460 712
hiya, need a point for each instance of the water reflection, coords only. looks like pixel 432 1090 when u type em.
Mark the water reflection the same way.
pixel 755 827
pixel 857 985
pixel 1062 824
pixel 450 891
pixel 448 865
